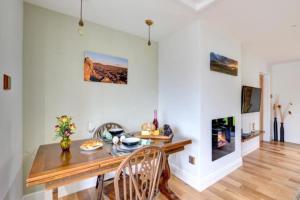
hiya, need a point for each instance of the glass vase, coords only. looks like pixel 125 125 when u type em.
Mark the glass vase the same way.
pixel 281 132
pixel 65 144
pixel 275 129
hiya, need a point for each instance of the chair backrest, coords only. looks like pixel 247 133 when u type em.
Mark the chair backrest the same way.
pixel 99 131
pixel 138 176
pixel 297 196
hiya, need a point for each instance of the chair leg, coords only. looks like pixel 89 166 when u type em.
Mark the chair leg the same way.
pixel 107 180
pixel 55 194
pixel 97 183
pixel 99 186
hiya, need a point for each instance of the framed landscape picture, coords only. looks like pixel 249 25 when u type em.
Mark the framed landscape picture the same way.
pixel 105 68
pixel 223 64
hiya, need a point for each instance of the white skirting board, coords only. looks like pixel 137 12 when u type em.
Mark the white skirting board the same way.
pixel 250 146
pixel 201 183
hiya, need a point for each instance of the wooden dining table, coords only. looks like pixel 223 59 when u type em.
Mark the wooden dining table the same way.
pixel 54 168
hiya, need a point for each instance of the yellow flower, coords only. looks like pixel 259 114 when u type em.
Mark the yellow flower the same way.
pixel 64 118
pixel 72 127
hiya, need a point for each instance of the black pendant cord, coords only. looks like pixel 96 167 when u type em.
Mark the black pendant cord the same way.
pixel 149 40
pixel 81 21
pixel 81 10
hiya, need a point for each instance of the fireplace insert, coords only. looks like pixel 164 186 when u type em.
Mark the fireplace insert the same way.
pixel 223 137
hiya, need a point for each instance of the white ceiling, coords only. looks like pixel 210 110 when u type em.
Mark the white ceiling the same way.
pixel 127 15
pixel 198 4
pixel 264 26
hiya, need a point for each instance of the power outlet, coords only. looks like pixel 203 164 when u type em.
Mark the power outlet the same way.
pixel 192 160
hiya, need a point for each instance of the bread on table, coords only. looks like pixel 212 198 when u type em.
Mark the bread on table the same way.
pixel 90 144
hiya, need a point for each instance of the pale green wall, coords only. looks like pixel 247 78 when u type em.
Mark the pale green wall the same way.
pixel 11 135
pixel 53 78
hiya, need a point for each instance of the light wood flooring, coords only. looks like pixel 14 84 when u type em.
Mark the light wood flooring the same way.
pixel 273 172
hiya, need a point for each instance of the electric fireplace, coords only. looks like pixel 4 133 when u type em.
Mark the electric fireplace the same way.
pixel 223 137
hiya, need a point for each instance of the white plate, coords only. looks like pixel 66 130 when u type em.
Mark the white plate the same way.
pixel 131 141
pixel 91 149
pixel 129 148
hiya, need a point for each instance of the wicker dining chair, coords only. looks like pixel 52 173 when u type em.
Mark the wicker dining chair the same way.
pixel 138 176
pixel 98 134
pixel 297 197
pixel 99 131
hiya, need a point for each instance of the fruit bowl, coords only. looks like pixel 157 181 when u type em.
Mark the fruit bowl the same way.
pixel 131 141
pixel 116 131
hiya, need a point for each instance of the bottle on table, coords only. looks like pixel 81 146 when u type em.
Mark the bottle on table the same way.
pixel 155 121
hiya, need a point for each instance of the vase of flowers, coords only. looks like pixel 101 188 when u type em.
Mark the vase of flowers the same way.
pixel 64 129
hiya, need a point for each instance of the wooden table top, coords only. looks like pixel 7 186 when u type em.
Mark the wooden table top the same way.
pixel 50 164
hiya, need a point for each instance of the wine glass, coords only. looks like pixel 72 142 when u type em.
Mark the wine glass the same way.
pixel 91 129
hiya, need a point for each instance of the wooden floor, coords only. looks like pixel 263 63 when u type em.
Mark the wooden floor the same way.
pixel 273 172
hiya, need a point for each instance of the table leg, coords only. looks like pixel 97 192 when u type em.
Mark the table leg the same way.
pixel 100 180
pixel 164 185
pixel 55 194
pixel 97 183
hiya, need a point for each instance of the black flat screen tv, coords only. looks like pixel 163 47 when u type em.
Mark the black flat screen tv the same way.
pixel 251 98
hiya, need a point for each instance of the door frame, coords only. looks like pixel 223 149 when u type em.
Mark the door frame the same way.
pixel 265 114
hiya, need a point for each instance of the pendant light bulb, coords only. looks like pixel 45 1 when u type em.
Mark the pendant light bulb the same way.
pixel 80 23
pixel 80 31
pixel 81 27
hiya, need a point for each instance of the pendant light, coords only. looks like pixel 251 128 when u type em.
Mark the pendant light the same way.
pixel 80 23
pixel 149 23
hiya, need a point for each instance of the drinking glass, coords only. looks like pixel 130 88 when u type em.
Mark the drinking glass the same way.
pixel 91 129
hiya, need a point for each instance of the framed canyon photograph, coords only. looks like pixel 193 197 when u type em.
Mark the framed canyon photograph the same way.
pixel 223 64
pixel 105 68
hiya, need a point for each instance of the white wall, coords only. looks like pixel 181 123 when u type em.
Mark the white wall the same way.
pixel 53 78
pixel 285 84
pixel 253 66
pixel 190 96
pixel 180 95
pixel 11 20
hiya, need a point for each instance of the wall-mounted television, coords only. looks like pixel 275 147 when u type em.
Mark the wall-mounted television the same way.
pixel 251 98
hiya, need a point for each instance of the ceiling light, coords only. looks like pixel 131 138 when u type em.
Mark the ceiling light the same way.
pixel 149 22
